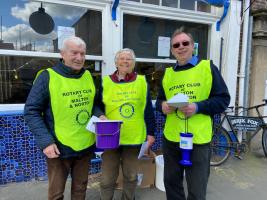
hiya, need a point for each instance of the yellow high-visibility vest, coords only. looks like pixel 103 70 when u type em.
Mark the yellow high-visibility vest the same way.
pixel 196 83
pixel 71 103
pixel 126 102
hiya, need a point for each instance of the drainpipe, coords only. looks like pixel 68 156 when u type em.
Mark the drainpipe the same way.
pixel 241 75
pixel 221 54
pixel 248 62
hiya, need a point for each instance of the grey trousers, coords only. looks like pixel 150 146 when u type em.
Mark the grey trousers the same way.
pixel 126 156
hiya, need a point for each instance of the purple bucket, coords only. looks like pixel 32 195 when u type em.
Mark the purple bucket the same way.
pixel 108 134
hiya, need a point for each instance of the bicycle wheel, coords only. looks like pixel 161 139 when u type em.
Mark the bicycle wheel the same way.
pixel 264 141
pixel 220 146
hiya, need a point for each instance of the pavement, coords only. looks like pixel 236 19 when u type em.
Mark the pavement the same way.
pixel 235 180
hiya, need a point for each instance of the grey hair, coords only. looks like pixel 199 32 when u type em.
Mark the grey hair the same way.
pixel 125 50
pixel 180 31
pixel 76 40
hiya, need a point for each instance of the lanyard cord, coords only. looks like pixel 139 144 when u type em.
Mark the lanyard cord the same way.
pixel 185 120
pixel 186 124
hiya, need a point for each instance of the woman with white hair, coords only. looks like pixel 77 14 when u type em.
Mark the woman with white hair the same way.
pixel 124 95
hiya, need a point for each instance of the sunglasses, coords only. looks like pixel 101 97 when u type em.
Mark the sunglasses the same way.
pixel 178 44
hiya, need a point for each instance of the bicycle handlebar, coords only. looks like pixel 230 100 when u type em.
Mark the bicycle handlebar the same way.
pixel 253 107
pixel 256 107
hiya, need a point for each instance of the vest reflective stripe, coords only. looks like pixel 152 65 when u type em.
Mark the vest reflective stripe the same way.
pixel 71 102
pixel 196 84
pixel 126 102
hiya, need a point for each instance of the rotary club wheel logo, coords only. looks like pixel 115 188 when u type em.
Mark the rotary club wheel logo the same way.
pixel 82 117
pixel 126 110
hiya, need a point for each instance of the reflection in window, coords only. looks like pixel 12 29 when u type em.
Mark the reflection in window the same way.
pixel 187 4
pixel 17 75
pixel 153 73
pixel 141 34
pixel 170 3
pixel 17 33
pixel 154 2
pixel 184 4
pixel 203 7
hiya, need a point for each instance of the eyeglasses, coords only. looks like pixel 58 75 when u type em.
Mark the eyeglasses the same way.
pixel 127 59
pixel 178 44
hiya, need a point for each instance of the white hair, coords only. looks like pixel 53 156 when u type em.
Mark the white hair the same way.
pixel 125 50
pixel 76 40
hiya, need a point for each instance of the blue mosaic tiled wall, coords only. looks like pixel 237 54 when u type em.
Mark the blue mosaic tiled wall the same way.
pixel 160 121
pixel 20 158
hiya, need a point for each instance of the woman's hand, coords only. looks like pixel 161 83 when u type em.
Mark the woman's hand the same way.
pixel 150 140
pixel 103 117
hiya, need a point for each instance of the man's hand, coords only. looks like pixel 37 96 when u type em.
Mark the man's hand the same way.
pixel 166 109
pixel 189 109
pixel 51 151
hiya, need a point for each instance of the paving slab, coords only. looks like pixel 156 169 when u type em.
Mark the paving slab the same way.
pixel 235 180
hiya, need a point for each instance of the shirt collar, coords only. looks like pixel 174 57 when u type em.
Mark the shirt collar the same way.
pixel 128 78
pixel 193 61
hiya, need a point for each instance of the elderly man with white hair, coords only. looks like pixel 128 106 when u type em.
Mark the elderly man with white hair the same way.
pixel 57 110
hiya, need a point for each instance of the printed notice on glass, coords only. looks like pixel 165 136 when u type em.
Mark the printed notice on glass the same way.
pixel 164 46
pixel 64 32
pixel 195 49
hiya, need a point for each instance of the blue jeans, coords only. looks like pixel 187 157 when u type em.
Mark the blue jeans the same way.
pixel 196 175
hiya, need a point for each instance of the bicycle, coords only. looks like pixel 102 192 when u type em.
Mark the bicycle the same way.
pixel 226 142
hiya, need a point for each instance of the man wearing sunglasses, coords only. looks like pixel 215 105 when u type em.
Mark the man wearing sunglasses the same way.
pixel 207 92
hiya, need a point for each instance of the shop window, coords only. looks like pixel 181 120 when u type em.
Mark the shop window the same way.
pixel 18 34
pixel 203 7
pixel 170 3
pixel 153 73
pixel 154 2
pixel 18 73
pixel 184 4
pixel 187 4
pixel 142 35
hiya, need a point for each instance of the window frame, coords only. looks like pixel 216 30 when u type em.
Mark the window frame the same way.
pixel 212 11
pixel 96 6
pixel 167 13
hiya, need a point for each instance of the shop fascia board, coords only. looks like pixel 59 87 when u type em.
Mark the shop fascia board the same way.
pixel 91 4
pixel 168 13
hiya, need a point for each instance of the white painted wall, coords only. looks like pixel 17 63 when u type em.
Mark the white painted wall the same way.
pixel 111 39
pixel 230 31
